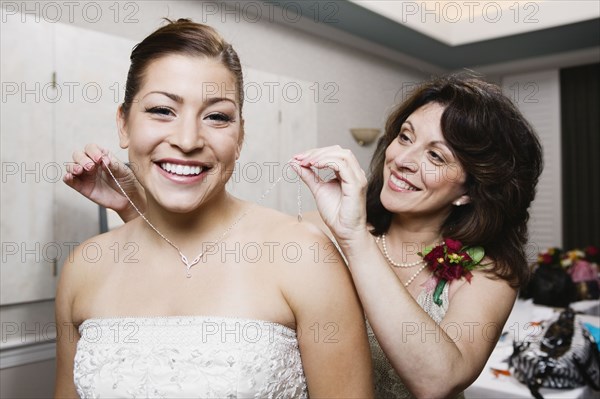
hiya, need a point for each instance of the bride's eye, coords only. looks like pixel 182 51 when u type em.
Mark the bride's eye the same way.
pixel 163 111
pixel 219 118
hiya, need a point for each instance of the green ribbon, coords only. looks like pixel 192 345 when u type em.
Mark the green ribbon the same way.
pixel 438 292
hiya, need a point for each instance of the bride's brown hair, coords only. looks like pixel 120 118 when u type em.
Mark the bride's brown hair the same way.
pixel 181 37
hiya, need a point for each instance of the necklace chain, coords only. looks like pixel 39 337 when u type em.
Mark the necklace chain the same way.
pixel 299 200
pixel 400 264
pixel 196 260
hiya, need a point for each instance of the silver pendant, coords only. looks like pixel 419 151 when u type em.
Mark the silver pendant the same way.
pixel 189 265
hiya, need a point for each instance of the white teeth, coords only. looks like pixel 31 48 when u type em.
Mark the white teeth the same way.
pixel 182 170
pixel 401 184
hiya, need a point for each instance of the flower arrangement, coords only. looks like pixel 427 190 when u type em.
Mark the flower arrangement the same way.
pixel 555 256
pixel 577 265
pixel 450 261
pixel 551 256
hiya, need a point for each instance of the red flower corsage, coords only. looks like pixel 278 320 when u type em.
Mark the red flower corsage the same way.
pixel 451 261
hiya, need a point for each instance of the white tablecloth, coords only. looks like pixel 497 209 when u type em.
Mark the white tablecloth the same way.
pixel 517 327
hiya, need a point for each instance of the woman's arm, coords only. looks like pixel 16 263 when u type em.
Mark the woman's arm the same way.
pixel 67 333
pixel 329 320
pixel 87 174
pixel 419 350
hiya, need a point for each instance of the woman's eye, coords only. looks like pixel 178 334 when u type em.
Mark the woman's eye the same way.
pixel 436 157
pixel 160 111
pixel 403 137
pixel 219 117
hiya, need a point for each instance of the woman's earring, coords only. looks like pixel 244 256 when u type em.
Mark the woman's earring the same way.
pixel 299 200
pixel 457 203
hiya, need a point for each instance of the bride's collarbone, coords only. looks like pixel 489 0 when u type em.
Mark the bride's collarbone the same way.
pixel 165 290
pixel 151 299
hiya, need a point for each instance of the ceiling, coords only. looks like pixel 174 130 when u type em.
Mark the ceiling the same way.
pixel 461 22
pixel 450 35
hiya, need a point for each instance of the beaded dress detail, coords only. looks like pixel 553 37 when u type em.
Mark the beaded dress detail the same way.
pixel 388 384
pixel 187 356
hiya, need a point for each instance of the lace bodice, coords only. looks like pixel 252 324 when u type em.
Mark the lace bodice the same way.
pixel 388 384
pixel 187 357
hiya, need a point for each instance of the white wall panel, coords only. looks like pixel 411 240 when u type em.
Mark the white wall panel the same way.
pixel 538 97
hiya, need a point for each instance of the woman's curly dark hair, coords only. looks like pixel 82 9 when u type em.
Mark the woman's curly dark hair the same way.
pixel 501 156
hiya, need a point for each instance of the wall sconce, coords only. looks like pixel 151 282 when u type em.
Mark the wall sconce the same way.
pixel 364 136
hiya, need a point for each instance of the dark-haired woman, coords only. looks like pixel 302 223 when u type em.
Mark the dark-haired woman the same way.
pixel 167 323
pixel 457 167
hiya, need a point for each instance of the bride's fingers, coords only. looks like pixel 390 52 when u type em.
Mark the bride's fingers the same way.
pixel 94 152
pixel 117 167
pixel 73 168
pixel 85 163
pixel 68 178
pixel 103 157
pixel 72 181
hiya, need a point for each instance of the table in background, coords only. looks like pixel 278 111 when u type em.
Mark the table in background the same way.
pixel 524 312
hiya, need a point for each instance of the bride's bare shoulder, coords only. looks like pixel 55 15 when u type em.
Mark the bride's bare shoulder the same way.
pixel 314 218
pixel 280 225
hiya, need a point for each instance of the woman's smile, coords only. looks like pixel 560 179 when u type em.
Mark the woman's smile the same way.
pixel 183 171
pixel 400 184
pixel 185 140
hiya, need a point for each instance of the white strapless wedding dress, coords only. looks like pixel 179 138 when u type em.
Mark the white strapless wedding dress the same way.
pixel 187 357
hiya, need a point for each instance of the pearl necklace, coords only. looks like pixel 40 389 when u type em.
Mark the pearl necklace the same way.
pixel 196 260
pixel 403 265
pixel 392 262
pixel 410 280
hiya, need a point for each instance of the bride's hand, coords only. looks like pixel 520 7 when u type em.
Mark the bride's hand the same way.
pixel 341 201
pixel 87 174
